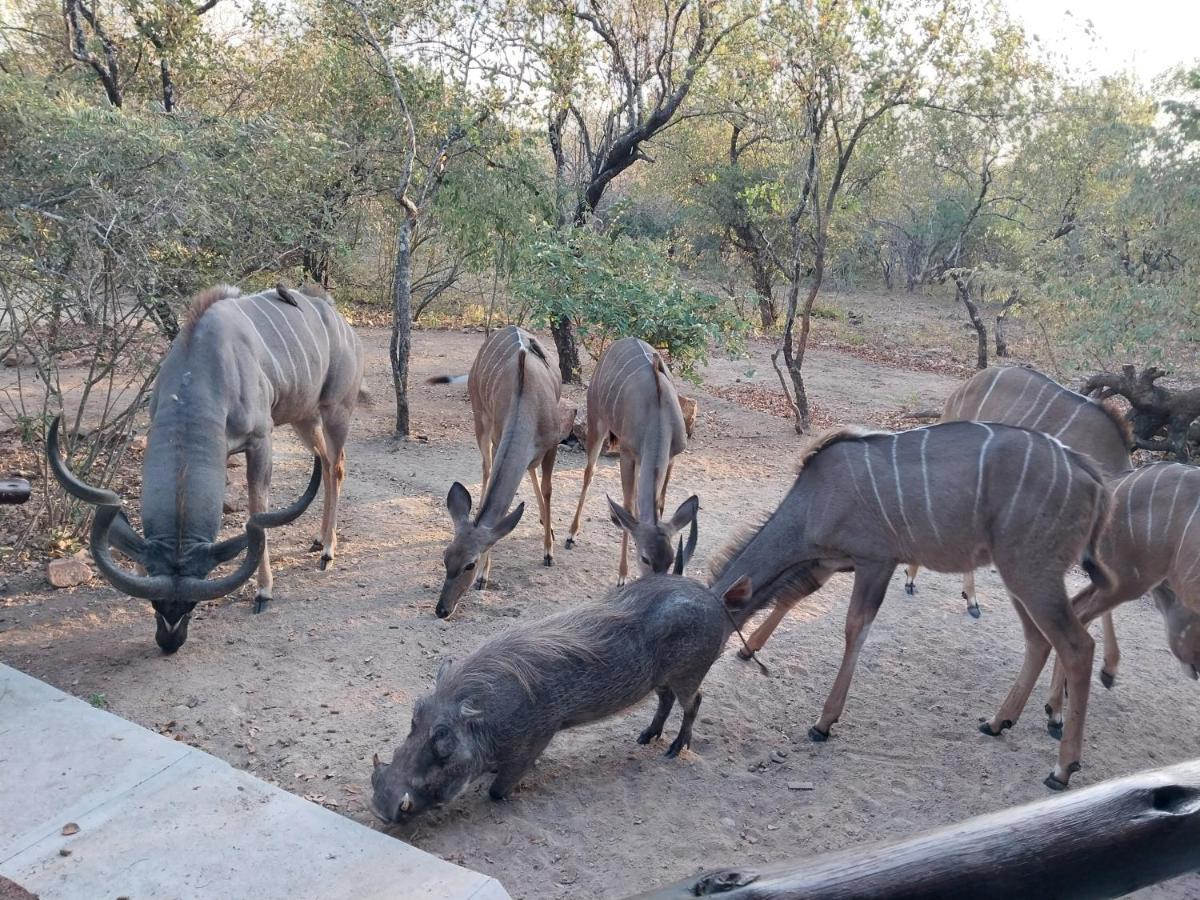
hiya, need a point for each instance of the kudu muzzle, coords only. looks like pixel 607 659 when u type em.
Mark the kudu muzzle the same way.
pixel 111 528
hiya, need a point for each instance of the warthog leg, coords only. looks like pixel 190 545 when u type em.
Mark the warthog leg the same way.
pixel 666 700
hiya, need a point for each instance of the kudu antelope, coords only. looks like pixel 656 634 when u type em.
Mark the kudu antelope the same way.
pixel 1018 396
pixel 1015 395
pixel 516 398
pixel 631 396
pixel 239 366
pixel 949 497
pixel 1152 544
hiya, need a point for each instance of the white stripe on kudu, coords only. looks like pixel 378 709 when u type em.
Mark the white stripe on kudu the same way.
pixel 279 334
pixel 900 490
pixel 287 320
pixel 1012 503
pixel 979 479
pixel 1020 423
pixel 324 327
pixel 925 477
pixel 875 487
pixel 1070 419
pixel 991 387
pixel 262 340
pixel 1150 504
pixel 312 334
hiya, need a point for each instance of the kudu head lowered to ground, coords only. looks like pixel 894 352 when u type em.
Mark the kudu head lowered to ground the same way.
pixel 655 540
pixel 176 554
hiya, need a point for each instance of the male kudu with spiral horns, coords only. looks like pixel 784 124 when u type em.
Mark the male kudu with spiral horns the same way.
pixel 239 366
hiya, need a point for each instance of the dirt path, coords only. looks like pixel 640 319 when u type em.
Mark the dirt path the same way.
pixel 305 693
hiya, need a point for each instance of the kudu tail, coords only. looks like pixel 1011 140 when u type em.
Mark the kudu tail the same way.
pixel 447 379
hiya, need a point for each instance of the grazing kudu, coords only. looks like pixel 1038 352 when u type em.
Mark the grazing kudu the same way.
pixel 949 497
pixel 632 397
pixel 239 366
pixel 515 396
pixel 1152 544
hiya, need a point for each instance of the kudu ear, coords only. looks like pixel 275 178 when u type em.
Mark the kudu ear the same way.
pixel 739 592
pixel 620 515
pixel 509 522
pixel 458 502
pixel 685 513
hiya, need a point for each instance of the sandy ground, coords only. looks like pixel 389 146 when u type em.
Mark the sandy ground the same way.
pixel 305 693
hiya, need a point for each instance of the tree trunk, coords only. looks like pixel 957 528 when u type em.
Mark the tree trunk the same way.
pixel 763 287
pixel 962 288
pixel 401 342
pixel 793 351
pixel 568 350
pixel 168 85
pixel 315 266
pixel 1002 320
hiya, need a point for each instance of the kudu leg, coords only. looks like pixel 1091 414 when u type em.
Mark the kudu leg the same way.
pixel 628 483
pixel 870 586
pixel 1037 650
pixel 1112 652
pixel 313 438
pixel 336 427
pixel 968 594
pixel 1051 611
pixel 543 516
pixel 547 484
pixel 486 449
pixel 766 629
pixel 910 578
pixel 662 492
pixel 595 443
pixel 258 486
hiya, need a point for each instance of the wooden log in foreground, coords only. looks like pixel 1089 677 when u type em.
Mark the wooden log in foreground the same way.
pixel 1102 841
pixel 14 490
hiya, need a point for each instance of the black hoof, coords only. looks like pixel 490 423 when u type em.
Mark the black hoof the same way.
pixel 677 747
pixel 1107 678
pixel 569 543
pixel 1055 729
pixel 910 588
pixel 442 612
pixel 316 546
pixel 1049 709
pixel 260 603
pixel 986 728
pixel 648 735
pixel 1054 784
pixel 326 560
pixel 480 584
pixel 495 796
pixel 547 560
pixel 745 654
pixel 817 736
pixel 973 612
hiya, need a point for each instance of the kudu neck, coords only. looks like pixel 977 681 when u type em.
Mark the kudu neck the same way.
pixel 509 464
pixel 183 475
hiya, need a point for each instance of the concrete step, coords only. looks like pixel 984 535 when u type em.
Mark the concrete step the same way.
pixel 159 819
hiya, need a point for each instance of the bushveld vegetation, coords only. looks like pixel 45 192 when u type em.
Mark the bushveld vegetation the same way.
pixel 686 171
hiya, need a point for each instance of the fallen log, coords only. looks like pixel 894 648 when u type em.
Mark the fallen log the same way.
pixel 1102 841
pixel 1161 417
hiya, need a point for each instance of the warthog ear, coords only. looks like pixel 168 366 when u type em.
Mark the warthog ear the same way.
pixel 443 669
pixel 458 502
pixel 739 593
pixel 620 515
pixel 444 742
pixel 509 522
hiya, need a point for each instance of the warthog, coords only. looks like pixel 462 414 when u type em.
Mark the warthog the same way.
pixel 498 709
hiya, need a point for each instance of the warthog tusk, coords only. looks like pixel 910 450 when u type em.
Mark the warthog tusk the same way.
pixel 375 759
pixel 406 803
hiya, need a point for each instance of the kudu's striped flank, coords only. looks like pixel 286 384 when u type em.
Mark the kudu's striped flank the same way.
pixel 949 497
pixel 520 416
pixel 1019 396
pixel 240 366
pixel 632 397
pixel 1152 544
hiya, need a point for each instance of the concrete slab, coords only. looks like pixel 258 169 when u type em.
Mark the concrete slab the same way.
pixel 159 819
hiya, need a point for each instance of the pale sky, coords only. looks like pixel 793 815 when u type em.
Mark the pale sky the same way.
pixel 1145 36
